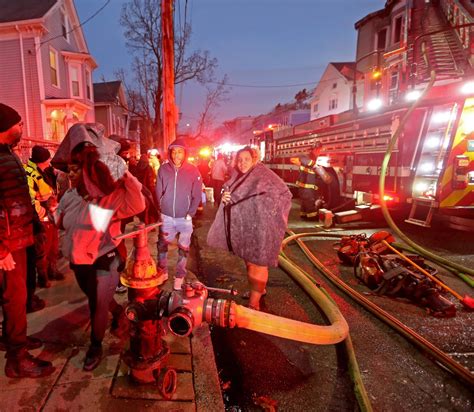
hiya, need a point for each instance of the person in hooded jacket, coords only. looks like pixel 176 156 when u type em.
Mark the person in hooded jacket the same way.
pixel 103 193
pixel 178 191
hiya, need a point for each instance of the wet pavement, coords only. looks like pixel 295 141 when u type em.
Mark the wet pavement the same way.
pixel 258 370
pixel 64 327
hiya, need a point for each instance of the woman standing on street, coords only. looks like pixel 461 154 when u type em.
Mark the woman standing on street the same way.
pixel 252 219
pixel 103 193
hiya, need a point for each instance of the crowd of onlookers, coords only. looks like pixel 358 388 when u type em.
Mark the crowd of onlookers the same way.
pixel 77 201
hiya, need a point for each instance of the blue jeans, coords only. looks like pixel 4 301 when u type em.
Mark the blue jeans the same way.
pixel 172 227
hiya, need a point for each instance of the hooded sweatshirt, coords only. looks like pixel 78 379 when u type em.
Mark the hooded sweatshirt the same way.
pixel 178 189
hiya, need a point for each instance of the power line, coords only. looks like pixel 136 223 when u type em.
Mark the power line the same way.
pixel 80 25
pixel 281 85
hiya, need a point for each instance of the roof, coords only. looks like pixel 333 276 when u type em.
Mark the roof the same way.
pixel 347 69
pixel 17 10
pixel 106 91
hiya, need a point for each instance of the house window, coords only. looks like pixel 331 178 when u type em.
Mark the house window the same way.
pixel 53 65
pixel 333 103
pixel 397 30
pixel 88 85
pixel 74 75
pixel 334 85
pixel 315 107
pixel 382 39
pixel 64 26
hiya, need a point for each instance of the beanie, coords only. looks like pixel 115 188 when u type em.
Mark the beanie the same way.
pixel 8 117
pixel 39 154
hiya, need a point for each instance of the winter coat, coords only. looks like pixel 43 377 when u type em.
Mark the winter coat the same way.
pixel 253 225
pixel 83 243
pixel 40 189
pixel 16 208
pixel 178 189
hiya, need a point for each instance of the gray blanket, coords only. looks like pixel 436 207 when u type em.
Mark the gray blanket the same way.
pixel 253 225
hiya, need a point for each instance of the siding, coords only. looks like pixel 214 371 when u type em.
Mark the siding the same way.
pixel 11 82
pixel 32 87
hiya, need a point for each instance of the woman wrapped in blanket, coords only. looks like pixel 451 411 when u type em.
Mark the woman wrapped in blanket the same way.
pixel 252 219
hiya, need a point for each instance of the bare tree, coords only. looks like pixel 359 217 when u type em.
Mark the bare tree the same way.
pixel 214 97
pixel 141 20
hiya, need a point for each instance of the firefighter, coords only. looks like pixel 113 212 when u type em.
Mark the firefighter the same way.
pixel 311 181
pixel 43 195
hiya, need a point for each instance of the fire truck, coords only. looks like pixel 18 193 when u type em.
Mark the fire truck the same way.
pixel 431 167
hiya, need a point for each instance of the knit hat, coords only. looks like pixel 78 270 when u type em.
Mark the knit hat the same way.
pixel 39 154
pixel 8 117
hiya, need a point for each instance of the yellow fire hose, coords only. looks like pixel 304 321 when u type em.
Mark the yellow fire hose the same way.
pixel 439 356
pixel 328 306
pixel 419 249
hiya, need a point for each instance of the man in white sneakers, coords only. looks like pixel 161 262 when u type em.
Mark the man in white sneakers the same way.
pixel 178 190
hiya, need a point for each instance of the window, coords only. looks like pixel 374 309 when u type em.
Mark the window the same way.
pixel 397 30
pixel 334 85
pixel 64 26
pixel 382 39
pixel 53 65
pixel 74 75
pixel 333 103
pixel 315 107
pixel 88 85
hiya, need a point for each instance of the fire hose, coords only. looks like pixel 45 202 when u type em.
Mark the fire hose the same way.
pixel 413 337
pixel 466 301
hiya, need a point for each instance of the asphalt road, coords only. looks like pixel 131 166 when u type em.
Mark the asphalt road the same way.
pixel 259 371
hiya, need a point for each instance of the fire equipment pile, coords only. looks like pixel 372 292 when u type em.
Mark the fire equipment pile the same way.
pixel 390 275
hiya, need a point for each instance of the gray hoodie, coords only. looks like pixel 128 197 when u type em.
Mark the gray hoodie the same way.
pixel 178 190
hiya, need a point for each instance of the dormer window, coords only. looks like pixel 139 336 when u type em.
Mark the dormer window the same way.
pixel 64 25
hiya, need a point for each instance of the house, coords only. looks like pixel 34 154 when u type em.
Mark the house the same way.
pixel 45 68
pixel 111 107
pixel 399 45
pixel 334 92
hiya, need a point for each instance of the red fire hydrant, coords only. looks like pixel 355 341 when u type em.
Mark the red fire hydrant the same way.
pixel 148 352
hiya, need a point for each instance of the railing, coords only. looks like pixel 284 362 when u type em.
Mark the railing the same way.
pixel 457 15
pixel 25 146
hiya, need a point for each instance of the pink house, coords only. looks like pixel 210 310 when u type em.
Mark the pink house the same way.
pixel 45 68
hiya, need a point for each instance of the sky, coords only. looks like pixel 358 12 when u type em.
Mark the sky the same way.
pixel 256 42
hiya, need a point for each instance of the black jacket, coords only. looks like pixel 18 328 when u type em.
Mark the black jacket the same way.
pixel 16 208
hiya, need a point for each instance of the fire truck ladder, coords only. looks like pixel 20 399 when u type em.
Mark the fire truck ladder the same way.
pixel 430 163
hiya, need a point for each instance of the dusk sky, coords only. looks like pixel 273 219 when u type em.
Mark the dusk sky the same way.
pixel 256 42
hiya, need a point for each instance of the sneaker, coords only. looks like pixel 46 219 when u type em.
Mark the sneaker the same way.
pixel 31 343
pixel 93 358
pixel 25 365
pixel 121 289
pixel 178 282
pixel 35 304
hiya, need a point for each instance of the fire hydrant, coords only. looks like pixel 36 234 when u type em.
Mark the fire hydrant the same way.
pixel 148 352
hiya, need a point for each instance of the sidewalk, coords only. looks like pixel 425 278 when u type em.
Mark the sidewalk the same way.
pixel 64 327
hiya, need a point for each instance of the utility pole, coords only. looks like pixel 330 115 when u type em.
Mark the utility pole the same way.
pixel 170 119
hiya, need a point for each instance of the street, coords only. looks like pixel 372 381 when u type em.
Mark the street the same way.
pixel 257 370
